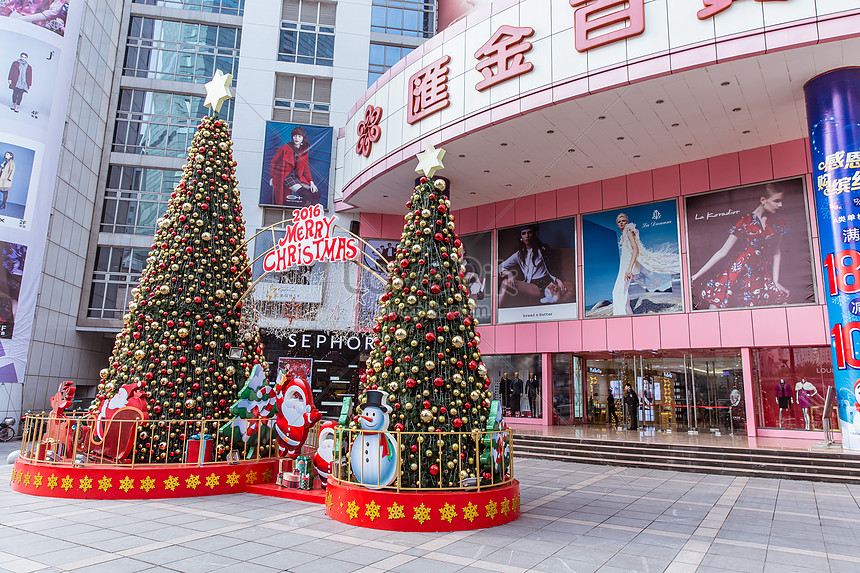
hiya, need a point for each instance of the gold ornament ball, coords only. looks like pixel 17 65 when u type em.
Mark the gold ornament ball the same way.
pixel 440 184
pixel 482 371
pixel 139 354
pixel 429 365
pixel 416 248
pixel 457 341
pixel 104 373
pixel 220 293
pixel 206 236
pixel 426 416
pixel 397 283
pixel 431 314
pixel 182 332
pixel 400 334
pixel 187 207
pixel 475 395
pixel 425 213
pixel 393 386
pixel 231 370
pixel 164 289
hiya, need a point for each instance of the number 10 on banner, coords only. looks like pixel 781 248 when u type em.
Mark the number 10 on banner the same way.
pixel 842 272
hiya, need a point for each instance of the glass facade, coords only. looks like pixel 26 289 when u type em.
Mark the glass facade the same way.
pixel 307 32
pixel 517 383
pixel 231 7
pixel 404 17
pixel 180 51
pixel 155 123
pixel 790 385
pixel 117 271
pixel 382 57
pixel 135 198
pixel 695 391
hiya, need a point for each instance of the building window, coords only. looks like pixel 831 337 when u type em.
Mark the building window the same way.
pixel 415 18
pixel 135 198
pixel 155 123
pixel 307 32
pixel 382 57
pixel 117 271
pixel 231 7
pixel 180 51
pixel 300 99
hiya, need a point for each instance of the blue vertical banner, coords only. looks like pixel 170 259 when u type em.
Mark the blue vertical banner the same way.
pixel 833 114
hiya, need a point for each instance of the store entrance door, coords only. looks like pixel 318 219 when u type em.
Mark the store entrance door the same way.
pixel 679 391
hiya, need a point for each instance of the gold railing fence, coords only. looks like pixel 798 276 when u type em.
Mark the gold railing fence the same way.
pixel 499 475
pixel 68 440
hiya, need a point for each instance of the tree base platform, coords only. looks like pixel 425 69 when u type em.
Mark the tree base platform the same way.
pixel 316 495
pixel 141 481
pixel 422 511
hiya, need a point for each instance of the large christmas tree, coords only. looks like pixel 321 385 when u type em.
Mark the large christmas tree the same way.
pixel 426 353
pixel 186 314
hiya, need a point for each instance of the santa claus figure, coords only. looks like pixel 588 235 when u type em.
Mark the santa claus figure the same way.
pixel 325 450
pixel 296 413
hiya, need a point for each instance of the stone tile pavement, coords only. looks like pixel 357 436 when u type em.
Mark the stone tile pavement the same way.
pixel 575 518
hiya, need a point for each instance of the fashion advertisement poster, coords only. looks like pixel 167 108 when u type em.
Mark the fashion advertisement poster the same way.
pixel 47 14
pixel 12 258
pixel 749 247
pixel 478 254
pixel 30 67
pixel 296 165
pixel 370 286
pixel 632 261
pixel 37 52
pixel 537 272
pixel 16 179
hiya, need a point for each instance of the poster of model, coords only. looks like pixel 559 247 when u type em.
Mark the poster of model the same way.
pixel 477 258
pixel 376 254
pixel 301 368
pixel 537 272
pixel 48 14
pixel 632 261
pixel 30 67
pixel 12 259
pixel 20 160
pixel 296 165
pixel 749 247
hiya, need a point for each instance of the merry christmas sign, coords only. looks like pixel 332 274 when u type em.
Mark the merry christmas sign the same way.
pixel 308 240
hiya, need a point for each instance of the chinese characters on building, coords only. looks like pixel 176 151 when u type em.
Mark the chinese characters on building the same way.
pixel 504 52
pixel 841 160
pixel 714 7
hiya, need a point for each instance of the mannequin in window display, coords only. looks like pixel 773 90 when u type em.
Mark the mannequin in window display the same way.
pixel 516 393
pixel 505 392
pixel 533 392
pixel 805 391
pixel 784 398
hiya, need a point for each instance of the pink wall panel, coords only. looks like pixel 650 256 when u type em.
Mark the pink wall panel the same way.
pixel 614 192
pixel 789 158
pixel 646 332
pixel 590 197
pixel 619 333
pixel 488 339
pixel 674 331
pixel 547 336
pixel 567 201
pixel 667 182
pixel 640 187
pixel 371 225
pixel 724 171
pixel 524 209
pixel 770 327
pixel 807 325
pixel 705 330
pixel 736 328
pixel 467 222
pixel 694 177
pixel 594 334
pixel 392 226
pixel 506 338
pixel 486 217
pixel 505 213
pixel 545 206
pixel 756 165
pixel 526 338
pixel 570 336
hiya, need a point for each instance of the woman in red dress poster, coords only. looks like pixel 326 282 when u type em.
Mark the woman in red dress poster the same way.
pixel 751 278
pixel 290 172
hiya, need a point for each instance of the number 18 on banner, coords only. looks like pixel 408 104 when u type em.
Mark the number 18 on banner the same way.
pixel 833 113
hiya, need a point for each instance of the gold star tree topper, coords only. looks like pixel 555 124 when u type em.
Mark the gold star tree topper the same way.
pixel 430 161
pixel 218 90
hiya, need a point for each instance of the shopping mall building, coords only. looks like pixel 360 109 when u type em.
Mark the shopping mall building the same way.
pixel 632 181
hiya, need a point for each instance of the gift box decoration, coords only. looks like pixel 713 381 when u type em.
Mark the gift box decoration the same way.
pixel 199 450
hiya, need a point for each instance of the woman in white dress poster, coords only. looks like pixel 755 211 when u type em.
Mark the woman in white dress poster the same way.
pixel 653 269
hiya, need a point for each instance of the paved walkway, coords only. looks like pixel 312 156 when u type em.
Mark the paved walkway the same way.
pixel 575 517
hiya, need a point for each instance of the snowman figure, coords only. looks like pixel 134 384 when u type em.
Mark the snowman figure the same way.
pixel 373 457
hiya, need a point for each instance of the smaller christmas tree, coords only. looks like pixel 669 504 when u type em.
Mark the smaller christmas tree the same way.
pixel 426 353
pixel 254 415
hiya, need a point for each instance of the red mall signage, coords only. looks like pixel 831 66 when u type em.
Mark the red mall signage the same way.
pixel 308 240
